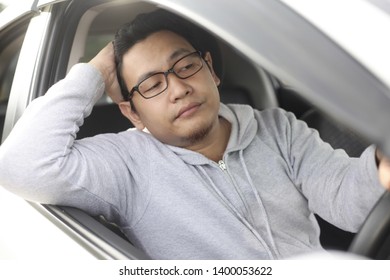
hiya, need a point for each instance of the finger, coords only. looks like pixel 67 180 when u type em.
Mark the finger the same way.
pixel 114 92
pixel 384 173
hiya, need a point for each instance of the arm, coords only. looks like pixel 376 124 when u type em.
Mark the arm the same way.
pixel 340 189
pixel 104 62
pixel 41 161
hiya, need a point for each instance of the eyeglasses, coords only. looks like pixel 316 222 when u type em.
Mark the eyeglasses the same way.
pixel 155 84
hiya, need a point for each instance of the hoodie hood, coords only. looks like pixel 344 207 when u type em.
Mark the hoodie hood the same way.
pixel 244 125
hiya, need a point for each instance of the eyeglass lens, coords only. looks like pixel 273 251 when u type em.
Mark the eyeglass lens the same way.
pixel 183 68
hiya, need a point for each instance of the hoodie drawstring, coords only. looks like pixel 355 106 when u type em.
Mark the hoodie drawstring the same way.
pixel 233 210
pixel 259 201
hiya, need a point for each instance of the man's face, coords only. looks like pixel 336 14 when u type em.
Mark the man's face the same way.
pixel 187 110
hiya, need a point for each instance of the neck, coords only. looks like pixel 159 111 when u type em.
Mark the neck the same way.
pixel 214 145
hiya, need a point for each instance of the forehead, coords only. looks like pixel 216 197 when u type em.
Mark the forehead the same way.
pixel 155 53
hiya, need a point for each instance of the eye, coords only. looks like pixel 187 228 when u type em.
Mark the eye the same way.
pixel 186 67
pixel 152 84
pixel 153 87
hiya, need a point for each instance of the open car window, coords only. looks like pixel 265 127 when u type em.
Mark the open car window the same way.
pixel 242 83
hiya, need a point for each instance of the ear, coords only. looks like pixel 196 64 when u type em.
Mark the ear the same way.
pixel 132 115
pixel 209 61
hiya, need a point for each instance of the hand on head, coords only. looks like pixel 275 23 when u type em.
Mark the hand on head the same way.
pixel 384 169
pixel 104 61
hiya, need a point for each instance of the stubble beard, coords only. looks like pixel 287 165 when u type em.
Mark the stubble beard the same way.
pixel 198 135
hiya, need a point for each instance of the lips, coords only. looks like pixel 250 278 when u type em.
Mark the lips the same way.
pixel 188 110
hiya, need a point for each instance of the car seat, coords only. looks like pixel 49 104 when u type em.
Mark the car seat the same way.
pixel 2 118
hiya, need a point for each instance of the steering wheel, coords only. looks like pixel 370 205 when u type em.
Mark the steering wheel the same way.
pixel 373 239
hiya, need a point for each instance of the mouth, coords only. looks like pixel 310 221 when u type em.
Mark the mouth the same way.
pixel 188 110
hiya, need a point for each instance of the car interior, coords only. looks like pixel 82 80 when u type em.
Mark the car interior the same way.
pixel 89 27
pixel 9 53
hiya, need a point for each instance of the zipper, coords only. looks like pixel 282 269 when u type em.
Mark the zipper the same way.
pixel 222 165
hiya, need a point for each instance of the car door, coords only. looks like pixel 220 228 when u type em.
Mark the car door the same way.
pixel 45 44
pixel 26 34
pixel 21 31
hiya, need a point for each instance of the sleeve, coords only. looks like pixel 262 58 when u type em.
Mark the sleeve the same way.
pixel 342 190
pixel 41 160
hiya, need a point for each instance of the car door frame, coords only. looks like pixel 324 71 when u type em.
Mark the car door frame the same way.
pixel 43 61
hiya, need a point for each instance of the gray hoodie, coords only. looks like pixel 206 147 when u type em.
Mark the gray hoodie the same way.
pixel 173 203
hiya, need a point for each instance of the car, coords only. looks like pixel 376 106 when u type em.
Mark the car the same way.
pixel 317 59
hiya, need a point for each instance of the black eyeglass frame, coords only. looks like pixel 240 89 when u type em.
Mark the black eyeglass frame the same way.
pixel 166 73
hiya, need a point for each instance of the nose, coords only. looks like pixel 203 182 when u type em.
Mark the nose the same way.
pixel 177 88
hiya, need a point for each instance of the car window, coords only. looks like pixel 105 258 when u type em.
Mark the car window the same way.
pixel 95 42
pixel 10 45
pixel 104 109
pixel 2 6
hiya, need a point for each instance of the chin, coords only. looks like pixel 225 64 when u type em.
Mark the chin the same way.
pixel 197 134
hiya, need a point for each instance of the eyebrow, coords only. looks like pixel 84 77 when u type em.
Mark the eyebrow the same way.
pixel 176 54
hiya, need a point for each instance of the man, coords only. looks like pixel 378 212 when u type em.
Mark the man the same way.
pixel 197 179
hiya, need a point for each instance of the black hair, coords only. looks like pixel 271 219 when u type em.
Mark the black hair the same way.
pixel 146 24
